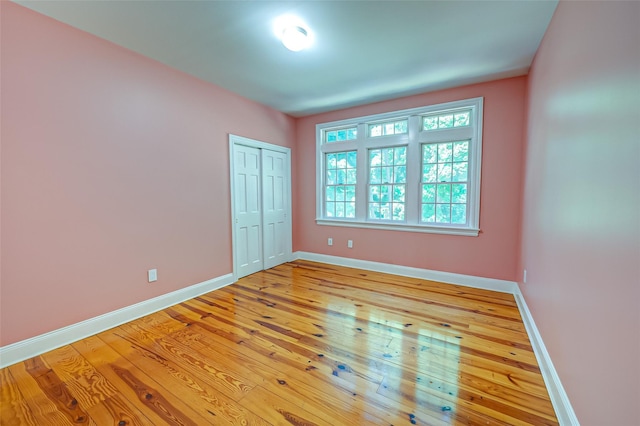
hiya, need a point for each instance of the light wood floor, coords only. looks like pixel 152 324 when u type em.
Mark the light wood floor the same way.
pixel 301 344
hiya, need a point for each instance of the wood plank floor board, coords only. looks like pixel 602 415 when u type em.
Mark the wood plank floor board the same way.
pixel 156 402
pixel 116 411
pixel 14 409
pixel 43 404
pixel 303 343
pixel 88 386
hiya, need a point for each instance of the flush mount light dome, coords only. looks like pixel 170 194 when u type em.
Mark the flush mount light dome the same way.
pixel 295 38
pixel 293 32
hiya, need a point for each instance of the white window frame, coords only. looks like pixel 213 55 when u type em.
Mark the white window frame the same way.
pixel 413 139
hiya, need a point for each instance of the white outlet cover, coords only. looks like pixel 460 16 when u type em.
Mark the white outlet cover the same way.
pixel 152 275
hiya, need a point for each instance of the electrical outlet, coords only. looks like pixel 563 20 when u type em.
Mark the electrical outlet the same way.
pixel 350 243
pixel 524 276
pixel 152 274
pixel 330 242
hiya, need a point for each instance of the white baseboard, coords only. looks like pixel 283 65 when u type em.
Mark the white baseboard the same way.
pixel 407 271
pixel 34 346
pixel 561 404
pixel 559 399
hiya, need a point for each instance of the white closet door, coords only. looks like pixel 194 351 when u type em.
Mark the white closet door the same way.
pixel 248 215
pixel 275 205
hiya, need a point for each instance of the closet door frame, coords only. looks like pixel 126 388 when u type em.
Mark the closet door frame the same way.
pixel 240 140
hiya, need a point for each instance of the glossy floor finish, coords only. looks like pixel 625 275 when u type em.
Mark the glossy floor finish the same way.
pixel 301 344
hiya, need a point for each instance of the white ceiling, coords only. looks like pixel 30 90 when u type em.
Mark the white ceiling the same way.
pixel 364 51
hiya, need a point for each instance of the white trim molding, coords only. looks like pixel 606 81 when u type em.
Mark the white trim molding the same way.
pixel 559 399
pixel 406 271
pixel 37 345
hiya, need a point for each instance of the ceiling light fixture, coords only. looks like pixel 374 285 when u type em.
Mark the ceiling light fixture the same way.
pixel 295 38
pixel 293 32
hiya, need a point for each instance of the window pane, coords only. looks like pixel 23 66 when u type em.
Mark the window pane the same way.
pixel 387 157
pixel 342 160
pixel 331 209
pixel 400 156
pixel 339 209
pixel 385 193
pixel 459 193
pixel 351 176
pixel 387 174
pixel 375 130
pixel 460 172
pixel 331 136
pixel 445 121
pixel 352 134
pixel 375 157
pixel 444 172
pixel 331 193
pixel 352 159
pixel 461 151
pixel 430 173
pixel 429 193
pixel 331 161
pixel 443 213
pixel 375 175
pixel 398 212
pixel 389 129
pixel 443 194
pixel 350 210
pixel 459 213
pixel 428 213
pixel 385 211
pixel 331 177
pixel 374 211
pixel 340 193
pixel 429 153
pixel 445 152
pixel 461 119
pixel 400 174
pixel 401 127
pixel 398 193
pixel 350 193
pixel 430 123
pixel 374 193
pixel 341 177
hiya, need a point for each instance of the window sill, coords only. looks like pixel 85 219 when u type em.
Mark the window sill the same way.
pixel 468 232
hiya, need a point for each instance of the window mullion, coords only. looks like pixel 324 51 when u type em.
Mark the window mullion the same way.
pixel 413 171
pixel 362 174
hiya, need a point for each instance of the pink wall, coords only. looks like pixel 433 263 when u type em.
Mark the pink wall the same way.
pixel 494 253
pixel 581 226
pixel 112 164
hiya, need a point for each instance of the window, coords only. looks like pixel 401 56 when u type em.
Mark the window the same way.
pixel 389 128
pixel 340 184
pixel 414 170
pixel 444 182
pixel 341 135
pixel 387 182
